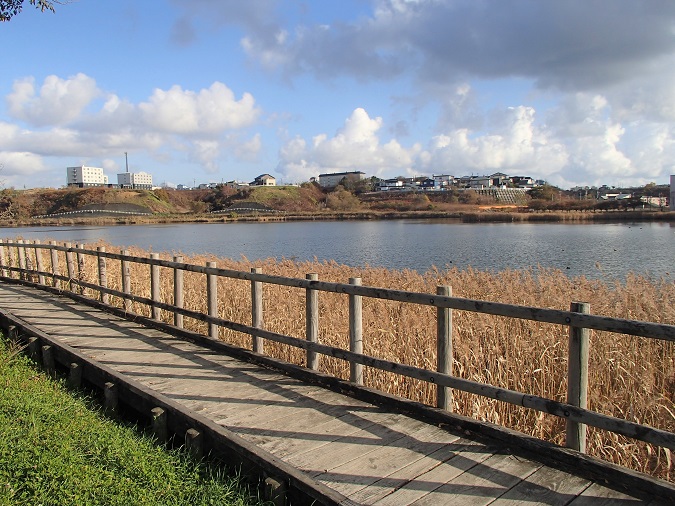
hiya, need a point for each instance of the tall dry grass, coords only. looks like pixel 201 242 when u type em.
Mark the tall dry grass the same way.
pixel 629 377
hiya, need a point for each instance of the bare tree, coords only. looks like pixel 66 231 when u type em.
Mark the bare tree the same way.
pixel 10 8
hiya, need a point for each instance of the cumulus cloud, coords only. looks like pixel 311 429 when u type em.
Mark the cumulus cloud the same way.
pixel 73 124
pixel 209 111
pixel 568 45
pixel 58 101
pixel 355 146
pixel 514 144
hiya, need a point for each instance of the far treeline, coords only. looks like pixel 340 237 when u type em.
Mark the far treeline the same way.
pixel 309 199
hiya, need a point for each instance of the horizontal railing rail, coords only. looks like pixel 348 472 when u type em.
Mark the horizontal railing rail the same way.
pixel 23 260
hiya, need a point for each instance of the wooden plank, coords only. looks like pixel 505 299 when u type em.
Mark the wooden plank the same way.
pixel 463 458
pixel 319 435
pixel 545 486
pixel 412 471
pixel 599 495
pixel 482 483
pixel 363 471
pixel 384 431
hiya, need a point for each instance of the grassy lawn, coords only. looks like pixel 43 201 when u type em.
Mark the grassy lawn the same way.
pixel 56 448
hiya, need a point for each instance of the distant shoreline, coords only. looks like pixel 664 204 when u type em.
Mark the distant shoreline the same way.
pixel 483 216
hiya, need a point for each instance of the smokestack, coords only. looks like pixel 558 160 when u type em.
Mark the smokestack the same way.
pixel 126 157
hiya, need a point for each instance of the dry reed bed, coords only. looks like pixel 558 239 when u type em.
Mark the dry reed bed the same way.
pixel 629 377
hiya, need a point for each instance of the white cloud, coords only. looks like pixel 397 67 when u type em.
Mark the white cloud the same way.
pixel 566 45
pixel 58 102
pixel 201 123
pixel 515 144
pixel 19 168
pixel 209 111
pixel 249 150
pixel 206 152
pixel 355 146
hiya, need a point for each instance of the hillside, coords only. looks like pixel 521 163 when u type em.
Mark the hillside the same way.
pixel 25 204
pixel 109 205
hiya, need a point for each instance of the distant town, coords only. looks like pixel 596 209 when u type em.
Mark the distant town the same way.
pixel 84 177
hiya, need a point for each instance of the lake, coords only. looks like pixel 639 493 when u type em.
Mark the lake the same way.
pixel 597 250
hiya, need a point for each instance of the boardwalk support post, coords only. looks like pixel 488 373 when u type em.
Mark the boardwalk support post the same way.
pixel 126 280
pixel 275 491
pixel 178 294
pixel 194 443
pixel 102 274
pixel 577 378
pixel 154 286
pixel 159 425
pixel 48 359
pixel 110 398
pixel 34 349
pixel 55 265
pixel 75 375
pixel 355 333
pixel 444 353
pixel 312 321
pixel 212 299
pixel 257 310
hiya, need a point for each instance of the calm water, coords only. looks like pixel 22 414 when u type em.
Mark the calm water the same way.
pixel 594 250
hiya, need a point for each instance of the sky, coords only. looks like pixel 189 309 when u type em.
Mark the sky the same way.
pixel 574 92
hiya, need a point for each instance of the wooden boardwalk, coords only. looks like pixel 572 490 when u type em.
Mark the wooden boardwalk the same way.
pixel 368 454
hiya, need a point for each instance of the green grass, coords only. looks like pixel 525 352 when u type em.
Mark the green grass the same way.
pixel 57 448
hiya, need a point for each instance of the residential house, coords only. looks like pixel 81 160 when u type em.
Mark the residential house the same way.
pixel 500 180
pixel 264 180
pixel 522 182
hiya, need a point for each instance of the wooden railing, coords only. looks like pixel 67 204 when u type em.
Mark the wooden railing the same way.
pixel 24 261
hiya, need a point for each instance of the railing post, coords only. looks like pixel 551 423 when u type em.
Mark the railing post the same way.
pixel 3 261
pixel 154 286
pixel 30 268
pixel 10 259
pixel 212 299
pixel 126 279
pixel 257 310
pixel 577 378
pixel 55 264
pixel 22 259
pixel 355 333
pixel 444 353
pixel 312 321
pixel 70 265
pixel 39 265
pixel 178 296
pixel 80 265
pixel 102 274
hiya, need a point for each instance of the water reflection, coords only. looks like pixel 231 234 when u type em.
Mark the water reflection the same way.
pixel 593 250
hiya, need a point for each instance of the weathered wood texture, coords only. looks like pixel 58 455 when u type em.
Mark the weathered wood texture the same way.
pixel 576 415
pixel 359 452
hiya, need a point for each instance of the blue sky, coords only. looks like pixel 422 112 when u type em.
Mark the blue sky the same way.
pixel 573 92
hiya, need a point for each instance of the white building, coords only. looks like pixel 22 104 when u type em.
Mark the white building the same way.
pixel 135 180
pixel 672 193
pixel 84 176
pixel 334 179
